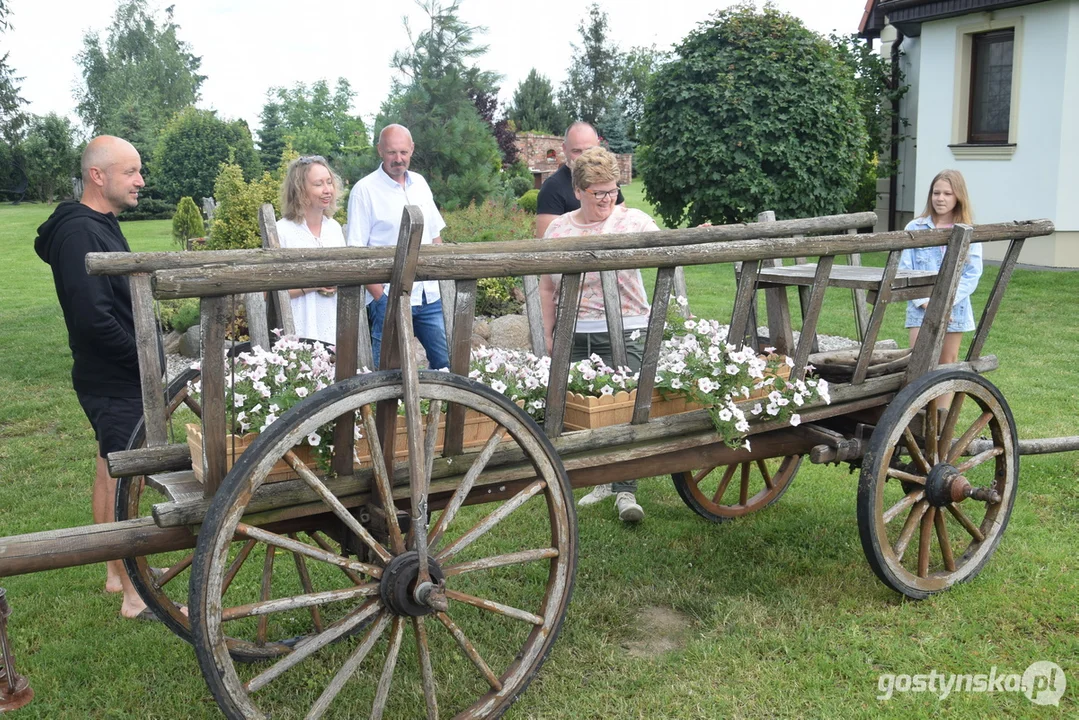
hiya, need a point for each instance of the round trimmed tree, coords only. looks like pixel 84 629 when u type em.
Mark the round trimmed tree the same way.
pixel 754 113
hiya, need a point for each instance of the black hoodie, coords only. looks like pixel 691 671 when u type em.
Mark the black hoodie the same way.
pixel 97 309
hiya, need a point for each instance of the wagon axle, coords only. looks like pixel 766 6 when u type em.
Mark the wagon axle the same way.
pixel 946 485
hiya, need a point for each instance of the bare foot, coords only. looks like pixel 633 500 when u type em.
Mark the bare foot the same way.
pixel 113 585
pixel 132 606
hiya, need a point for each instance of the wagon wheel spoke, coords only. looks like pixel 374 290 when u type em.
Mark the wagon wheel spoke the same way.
pixel 382 482
pixel 517 558
pixel 264 595
pixel 325 545
pixel 495 607
pixel 947 433
pixel 164 578
pixel 338 509
pixel 427 675
pixel 491 520
pixel 286 543
pixel 965 521
pixel 237 563
pixel 972 432
pixel 348 668
pixel 908 500
pixel 383 691
pixel 925 541
pixel 727 475
pixel 312 644
pixel 305 583
pixel 904 475
pixel 905 535
pixel 979 459
pixel 743 490
pixel 945 543
pixel 462 491
pixel 915 452
pixel 469 650
pixel 931 451
pixel 761 482
pixel 311 600
pixel 765 474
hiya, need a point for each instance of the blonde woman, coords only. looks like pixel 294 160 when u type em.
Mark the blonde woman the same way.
pixel 309 198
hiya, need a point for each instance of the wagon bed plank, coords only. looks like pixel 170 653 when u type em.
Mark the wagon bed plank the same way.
pixel 855 277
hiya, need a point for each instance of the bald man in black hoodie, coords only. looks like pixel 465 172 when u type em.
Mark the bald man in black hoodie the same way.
pixel 97 311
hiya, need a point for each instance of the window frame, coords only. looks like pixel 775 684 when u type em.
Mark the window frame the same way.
pixel 962 145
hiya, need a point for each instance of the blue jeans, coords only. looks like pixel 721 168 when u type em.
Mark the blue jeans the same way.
pixel 427 324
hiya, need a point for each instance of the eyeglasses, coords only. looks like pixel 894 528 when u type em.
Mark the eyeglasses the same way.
pixel 603 194
pixel 309 159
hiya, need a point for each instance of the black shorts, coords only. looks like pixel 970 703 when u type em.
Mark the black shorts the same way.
pixel 114 420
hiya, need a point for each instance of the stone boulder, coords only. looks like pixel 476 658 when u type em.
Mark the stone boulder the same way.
pixel 510 332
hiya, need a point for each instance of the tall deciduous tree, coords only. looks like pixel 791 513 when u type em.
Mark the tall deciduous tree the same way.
pixel 317 120
pixel 12 118
pixel 590 83
pixel 51 158
pixel 534 107
pixel 756 113
pixel 455 149
pixel 137 77
pixel 635 70
pixel 193 147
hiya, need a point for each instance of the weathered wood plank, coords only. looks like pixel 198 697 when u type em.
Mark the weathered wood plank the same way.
pixel 653 341
pixel 807 341
pixel 215 317
pixel 861 318
pixel 926 353
pixel 612 308
pixel 447 292
pixel 534 313
pixel 349 307
pixel 460 356
pixel 271 241
pixel 143 461
pixel 148 347
pixel 569 297
pixel 681 290
pixel 555 259
pixel 258 328
pixel 996 295
pixel 844 276
pixel 127 263
pixel 872 328
pixel 744 298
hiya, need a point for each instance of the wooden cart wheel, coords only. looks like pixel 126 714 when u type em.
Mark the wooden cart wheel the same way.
pixel 722 492
pixel 371 638
pixel 928 516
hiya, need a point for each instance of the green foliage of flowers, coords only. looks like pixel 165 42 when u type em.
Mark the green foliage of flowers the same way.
pixel 486 221
pixel 187 222
pixel 756 112
pixel 519 375
pixel 179 315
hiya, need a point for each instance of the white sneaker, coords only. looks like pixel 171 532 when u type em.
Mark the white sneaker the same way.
pixel 628 509
pixel 599 492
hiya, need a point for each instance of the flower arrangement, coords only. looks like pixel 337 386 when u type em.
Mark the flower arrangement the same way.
pixel 520 376
pixel 592 376
pixel 697 361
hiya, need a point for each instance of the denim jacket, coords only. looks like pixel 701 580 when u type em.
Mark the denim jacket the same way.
pixel 930 258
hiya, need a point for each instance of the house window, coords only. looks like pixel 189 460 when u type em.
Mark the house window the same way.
pixel 990 86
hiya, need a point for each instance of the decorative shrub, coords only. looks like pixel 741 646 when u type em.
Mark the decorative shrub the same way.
pixel 485 222
pixel 187 222
pixel 179 315
pixel 529 201
pixel 235 224
pixel 496 297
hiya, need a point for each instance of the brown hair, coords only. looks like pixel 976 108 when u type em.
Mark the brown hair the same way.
pixel 962 212
pixel 294 189
pixel 595 165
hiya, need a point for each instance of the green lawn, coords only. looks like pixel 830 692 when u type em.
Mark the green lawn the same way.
pixel 774 615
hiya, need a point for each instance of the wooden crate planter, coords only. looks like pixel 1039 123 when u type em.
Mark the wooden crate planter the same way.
pixel 477 429
pixel 584 412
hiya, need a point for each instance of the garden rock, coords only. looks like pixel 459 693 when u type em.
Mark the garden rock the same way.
pixel 171 342
pixel 481 328
pixel 191 342
pixel 510 332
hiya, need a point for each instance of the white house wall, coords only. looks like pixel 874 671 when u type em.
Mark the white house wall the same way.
pixel 1041 179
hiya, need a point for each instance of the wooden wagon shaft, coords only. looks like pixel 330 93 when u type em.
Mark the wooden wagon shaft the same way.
pixel 147 262
pixel 565 256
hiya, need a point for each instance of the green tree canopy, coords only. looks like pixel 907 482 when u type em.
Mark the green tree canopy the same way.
pixel 316 119
pixel 590 83
pixel 191 150
pixel 534 108
pixel 635 70
pixel 455 148
pixel 755 113
pixel 135 79
pixel 52 161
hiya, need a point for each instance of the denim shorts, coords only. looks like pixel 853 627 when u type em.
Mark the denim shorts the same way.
pixel 960 320
pixel 113 418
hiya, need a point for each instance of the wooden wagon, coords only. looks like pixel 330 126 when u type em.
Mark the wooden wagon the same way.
pixel 469 549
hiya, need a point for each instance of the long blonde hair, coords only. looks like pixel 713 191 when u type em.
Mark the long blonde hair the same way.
pixel 962 212
pixel 294 189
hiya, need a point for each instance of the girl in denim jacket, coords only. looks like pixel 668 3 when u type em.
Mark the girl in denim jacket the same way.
pixel 948 203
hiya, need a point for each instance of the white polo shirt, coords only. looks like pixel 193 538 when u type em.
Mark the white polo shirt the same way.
pixel 374 218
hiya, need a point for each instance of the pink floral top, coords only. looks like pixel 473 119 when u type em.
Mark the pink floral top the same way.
pixel 631 292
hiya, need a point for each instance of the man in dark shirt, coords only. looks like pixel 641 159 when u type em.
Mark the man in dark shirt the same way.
pixel 556 196
pixel 100 326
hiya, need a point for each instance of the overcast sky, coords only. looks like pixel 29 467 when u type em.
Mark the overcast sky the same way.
pixel 249 46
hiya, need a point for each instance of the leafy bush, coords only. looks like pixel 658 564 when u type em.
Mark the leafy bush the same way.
pixel 235 225
pixel 771 113
pixel 179 315
pixel 187 222
pixel 192 148
pixel 498 296
pixel 529 201
pixel 485 222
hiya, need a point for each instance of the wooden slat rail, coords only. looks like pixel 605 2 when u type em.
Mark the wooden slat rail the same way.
pixel 653 341
pixel 349 309
pixel 612 308
pixel 215 318
pixel 270 240
pixel 148 346
pixel 460 357
pixel 569 298
pixel 130 263
pixel 565 257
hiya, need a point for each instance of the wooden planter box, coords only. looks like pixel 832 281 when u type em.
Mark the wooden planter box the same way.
pixel 477 429
pixel 584 412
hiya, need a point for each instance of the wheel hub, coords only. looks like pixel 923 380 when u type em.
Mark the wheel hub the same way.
pixel 398 584
pixel 938 484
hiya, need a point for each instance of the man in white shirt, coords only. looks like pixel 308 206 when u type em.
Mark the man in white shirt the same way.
pixel 374 219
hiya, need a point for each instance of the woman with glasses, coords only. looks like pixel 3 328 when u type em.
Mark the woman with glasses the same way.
pixel 308 201
pixel 595 183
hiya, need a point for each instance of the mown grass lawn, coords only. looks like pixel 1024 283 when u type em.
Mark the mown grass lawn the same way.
pixel 775 615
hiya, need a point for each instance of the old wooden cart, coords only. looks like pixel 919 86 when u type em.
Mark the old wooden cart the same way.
pixel 470 548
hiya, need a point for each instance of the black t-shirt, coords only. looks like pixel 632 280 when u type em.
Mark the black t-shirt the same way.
pixel 556 195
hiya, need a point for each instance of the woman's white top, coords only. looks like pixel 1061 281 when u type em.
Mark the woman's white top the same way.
pixel 315 314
